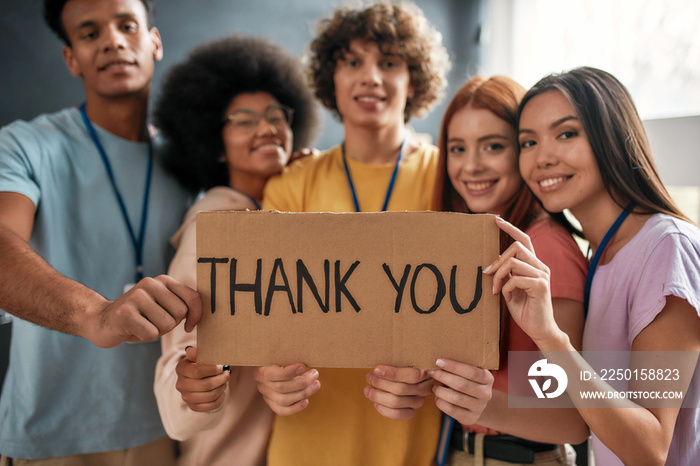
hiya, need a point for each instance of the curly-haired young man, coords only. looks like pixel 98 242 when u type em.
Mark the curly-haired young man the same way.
pixel 375 67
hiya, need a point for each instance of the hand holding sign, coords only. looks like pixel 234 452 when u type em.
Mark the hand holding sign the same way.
pixel 151 308
pixel 524 281
pixel 287 389
pixel 203 386
pixel 398 392
pixel 466 391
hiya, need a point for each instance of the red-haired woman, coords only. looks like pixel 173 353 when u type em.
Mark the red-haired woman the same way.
pixel 478 173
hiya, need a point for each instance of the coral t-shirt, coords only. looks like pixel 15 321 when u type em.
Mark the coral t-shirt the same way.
pixel 556 248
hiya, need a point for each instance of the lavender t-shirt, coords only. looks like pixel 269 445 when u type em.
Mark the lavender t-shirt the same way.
pixel 627 294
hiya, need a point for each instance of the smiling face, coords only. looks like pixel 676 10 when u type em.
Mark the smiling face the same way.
pixel 371 88
pixel 482 161
pixel 255 155
pixel 556 159
pixel 112 49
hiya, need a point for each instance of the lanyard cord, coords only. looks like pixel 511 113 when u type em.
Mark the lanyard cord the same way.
pixel 137 242
pixel 444 440
pixel 392 181
pixel 599 252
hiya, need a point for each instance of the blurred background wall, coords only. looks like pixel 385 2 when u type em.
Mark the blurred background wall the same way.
pixel 652 47
pixel 35 79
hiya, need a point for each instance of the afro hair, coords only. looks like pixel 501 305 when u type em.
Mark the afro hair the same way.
pixel 196 93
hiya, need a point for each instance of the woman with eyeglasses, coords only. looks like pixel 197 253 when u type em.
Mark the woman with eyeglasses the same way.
pixel 230 115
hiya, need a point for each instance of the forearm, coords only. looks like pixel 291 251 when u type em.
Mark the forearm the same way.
pixel 546 425
pixel 34 291
pixel 645 439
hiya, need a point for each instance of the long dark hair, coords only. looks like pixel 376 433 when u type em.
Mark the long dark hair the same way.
pixel 616 135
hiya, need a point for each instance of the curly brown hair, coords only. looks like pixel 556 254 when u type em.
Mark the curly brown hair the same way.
pixel 401 28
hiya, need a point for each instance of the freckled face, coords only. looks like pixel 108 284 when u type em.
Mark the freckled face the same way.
pixel 556 158
pixel 482 160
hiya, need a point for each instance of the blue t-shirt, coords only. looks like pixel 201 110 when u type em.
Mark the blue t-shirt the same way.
pixel 63 395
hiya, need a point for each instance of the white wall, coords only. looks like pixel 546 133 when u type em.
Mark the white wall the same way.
pixel 675 143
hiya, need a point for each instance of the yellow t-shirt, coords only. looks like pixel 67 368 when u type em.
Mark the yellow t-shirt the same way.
pixel 340 426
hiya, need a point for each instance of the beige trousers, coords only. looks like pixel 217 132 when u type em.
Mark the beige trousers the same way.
pixel 159 453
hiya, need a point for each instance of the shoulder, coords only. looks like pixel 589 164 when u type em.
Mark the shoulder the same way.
pixel 660 226
pixel 218 198
pixel 314 162
pixel 33 153
pixel 662 259
pixel 46 127
pixel 222 198
pixel 299 170
pixel 665 251
pixel 663 238
pixel 672 239
pixel 65 120
pixel 424 154
pixel 421 164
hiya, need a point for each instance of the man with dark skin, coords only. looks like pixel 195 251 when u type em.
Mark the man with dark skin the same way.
pixel 79 231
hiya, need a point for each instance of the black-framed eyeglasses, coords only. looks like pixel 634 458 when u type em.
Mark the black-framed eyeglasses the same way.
pixel 247 120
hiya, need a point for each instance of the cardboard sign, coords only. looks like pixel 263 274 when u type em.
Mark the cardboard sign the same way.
pixel 347 290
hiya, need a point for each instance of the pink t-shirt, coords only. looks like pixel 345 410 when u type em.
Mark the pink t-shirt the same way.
pixel 662 259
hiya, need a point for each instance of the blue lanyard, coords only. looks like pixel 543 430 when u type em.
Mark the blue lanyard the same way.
pixel 444 440
pixel 392 181
pixel 137 242
pixel 599 252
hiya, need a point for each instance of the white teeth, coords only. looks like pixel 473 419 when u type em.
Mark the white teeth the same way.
pixel 267 147
pixel 112 65
pixel 552 181
pixel 368 99
pixel 479 186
